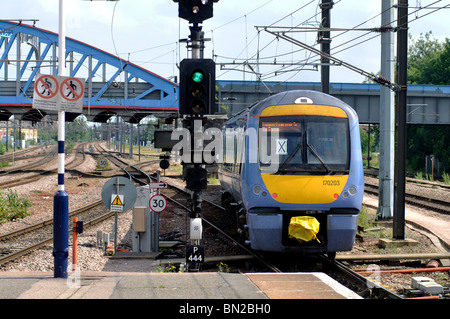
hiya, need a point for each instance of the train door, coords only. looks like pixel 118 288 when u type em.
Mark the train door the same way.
pixel 239 159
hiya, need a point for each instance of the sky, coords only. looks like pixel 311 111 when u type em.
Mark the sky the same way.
pixel 147 33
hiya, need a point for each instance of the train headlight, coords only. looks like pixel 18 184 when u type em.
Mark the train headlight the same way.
pixel 352 190
pixel 256 189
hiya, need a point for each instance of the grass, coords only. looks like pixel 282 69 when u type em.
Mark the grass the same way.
pixel 365 219
pixel 13 206
pixel 176 169
pixel 446 178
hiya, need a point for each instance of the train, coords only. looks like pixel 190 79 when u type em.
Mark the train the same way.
pixel 294 155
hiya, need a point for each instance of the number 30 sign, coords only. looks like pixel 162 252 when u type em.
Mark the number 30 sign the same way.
pixel 157 203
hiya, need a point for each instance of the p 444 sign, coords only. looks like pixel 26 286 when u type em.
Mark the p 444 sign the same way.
pixel 195 253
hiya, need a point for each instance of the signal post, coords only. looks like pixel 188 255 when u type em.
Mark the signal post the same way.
pixel 197 99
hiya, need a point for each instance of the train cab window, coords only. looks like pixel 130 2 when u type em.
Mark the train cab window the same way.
pixel 327 141
pixel 304 145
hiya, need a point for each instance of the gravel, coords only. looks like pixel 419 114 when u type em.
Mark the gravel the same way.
pixel 83 190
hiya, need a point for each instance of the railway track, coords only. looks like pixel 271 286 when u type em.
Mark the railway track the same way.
pixel 132 171
pixel 49 154
pixel 374 172
pixel 355 281
pixel 364 287
pixel 37 170
pixel 22 154
pixel 27 239
pixel 212 208
pixel 436 205
pixel 181 198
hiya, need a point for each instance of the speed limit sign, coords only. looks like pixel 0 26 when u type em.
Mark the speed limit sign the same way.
pixel 103 162
pixel 157 203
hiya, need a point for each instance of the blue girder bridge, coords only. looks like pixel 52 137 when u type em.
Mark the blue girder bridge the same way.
pixel 113 86
pixel 118 87
pixel 426 104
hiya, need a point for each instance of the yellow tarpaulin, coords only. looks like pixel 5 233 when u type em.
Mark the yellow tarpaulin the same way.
pixel 303 228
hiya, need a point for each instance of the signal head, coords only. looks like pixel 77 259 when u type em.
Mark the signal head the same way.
pixel 197 86
pixel 195 11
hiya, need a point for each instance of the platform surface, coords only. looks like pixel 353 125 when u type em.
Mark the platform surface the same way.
pixel 111 285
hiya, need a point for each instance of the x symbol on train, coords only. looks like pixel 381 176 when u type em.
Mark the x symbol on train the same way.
pixel 281 144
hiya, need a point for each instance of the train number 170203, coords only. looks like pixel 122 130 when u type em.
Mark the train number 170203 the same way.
pixel 331 182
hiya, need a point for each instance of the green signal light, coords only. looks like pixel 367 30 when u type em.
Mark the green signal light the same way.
pixel 197 76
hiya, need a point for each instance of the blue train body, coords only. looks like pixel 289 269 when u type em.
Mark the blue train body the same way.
pixel 297 153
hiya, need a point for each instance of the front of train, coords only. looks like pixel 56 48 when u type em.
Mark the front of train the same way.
pixel 309 168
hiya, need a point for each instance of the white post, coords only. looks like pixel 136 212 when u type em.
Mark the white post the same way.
pixel 387 116
pixel 61 199
pixel 61 114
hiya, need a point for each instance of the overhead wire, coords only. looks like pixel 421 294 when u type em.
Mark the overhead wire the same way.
pixel 304 62
pixel 259 50
pixel 378 34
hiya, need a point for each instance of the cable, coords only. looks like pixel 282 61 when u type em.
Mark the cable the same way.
pixel 270 42
pixel 112 29
pixel 240 17
pixel 410 21
pixel 364 35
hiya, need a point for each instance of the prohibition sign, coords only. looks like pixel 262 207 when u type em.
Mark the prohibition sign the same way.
pixel 157 203
pixel 47 86
pixel 71 89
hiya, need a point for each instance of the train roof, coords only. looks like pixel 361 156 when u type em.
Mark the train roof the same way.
pixel 301 97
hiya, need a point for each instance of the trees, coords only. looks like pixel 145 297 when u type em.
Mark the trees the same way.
pixel 425 140
pixel 428 63
pixel 428 60
pixel 78 130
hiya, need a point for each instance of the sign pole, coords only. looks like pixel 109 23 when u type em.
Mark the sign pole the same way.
pixel 116 217
pixel 61 198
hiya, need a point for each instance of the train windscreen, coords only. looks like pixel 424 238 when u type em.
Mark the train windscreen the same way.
pixel 304 145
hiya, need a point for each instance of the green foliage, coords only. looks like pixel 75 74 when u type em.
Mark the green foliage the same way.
pixel 48 133
pixel 78 130
pixel 428 60
pixel 106 168
pixel 13 206
pixel 364 218
pixel 446 178
pixel 69 146
pixel 428 63
pixel 425 140
pixel 166 269
pixel 223 267
pixel 374 139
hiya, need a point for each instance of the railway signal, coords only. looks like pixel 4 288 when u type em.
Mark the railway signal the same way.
pixel 195 11
pixel 197 86
pixel 197 97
